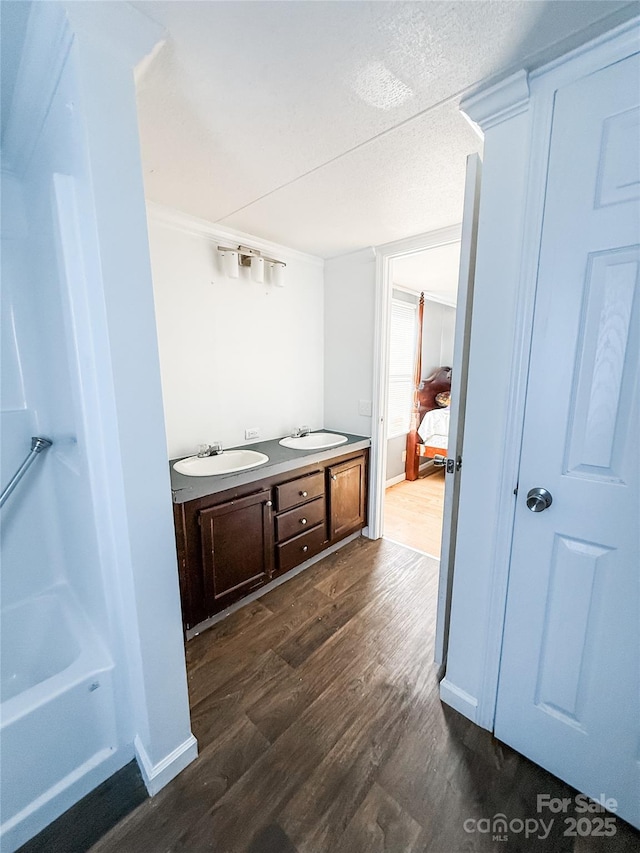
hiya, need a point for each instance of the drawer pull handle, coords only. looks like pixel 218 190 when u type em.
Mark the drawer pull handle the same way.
pixel 303 521
pixel 303 494
pixel 305 547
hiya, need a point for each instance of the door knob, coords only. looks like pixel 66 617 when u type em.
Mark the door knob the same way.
pixel 539 499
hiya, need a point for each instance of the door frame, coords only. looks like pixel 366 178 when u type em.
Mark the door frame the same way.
pixel 384 287
pixel 533 92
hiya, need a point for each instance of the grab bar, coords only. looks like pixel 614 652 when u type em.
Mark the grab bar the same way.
pixel 37 446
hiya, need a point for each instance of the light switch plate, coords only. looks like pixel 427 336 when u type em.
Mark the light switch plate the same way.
pixel 364 408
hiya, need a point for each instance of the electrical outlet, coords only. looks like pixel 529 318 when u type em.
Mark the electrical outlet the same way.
pixel 253 432
pixel 364 408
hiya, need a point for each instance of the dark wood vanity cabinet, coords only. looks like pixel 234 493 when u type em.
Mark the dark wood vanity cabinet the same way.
pixel 237 546
pixel 301 529
pixel 233 542
pixel 347 497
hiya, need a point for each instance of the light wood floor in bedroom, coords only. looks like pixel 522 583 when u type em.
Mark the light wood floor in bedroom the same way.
pixel 320 730
pixel 413 513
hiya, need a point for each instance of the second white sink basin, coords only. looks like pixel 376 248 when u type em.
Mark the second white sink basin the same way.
pixel 227 462
pixel 314 441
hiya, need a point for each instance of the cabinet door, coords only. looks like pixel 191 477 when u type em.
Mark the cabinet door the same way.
pixel 347 497
pixel 237 548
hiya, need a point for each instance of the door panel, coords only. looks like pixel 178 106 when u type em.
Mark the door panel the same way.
pixel 569 688
pixel 237 548
pixel 462 337
pixel 347 497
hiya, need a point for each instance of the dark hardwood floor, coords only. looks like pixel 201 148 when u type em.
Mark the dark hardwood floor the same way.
pixel 320 730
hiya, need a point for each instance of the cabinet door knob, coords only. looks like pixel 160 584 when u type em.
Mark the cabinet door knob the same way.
pixel 334 476
pixel 305 547
pixel 269 503
pixel 303 494
pixel 303 521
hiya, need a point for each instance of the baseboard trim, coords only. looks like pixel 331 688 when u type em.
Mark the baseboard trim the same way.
pixel 395 480
pixel 459 700
pixel 156 776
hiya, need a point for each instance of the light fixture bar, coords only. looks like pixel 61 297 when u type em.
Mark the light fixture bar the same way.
pixel 245 253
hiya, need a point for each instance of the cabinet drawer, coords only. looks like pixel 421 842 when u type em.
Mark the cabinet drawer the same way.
pixel 299 491
pixel 299 549
pixel 300 519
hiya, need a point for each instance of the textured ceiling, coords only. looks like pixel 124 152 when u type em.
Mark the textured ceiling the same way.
pixel 434 271
pixel 328 126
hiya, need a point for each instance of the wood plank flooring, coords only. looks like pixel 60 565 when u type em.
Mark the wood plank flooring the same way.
pixel 320 730
pixel 413 513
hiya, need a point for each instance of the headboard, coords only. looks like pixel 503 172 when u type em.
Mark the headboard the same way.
pixel 440 380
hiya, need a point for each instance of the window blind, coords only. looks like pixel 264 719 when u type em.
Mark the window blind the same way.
pixel 402 353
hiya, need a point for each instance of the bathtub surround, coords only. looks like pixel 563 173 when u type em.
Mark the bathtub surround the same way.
pixel 234 353
pixel 88 555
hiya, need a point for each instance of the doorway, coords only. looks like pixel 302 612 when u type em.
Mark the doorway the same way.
pixel 421 337
pixel 426 265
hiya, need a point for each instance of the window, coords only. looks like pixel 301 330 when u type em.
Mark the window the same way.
pixel 402 354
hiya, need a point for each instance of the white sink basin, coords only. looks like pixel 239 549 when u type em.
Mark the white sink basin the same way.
pixel 314 441
pixel 227 462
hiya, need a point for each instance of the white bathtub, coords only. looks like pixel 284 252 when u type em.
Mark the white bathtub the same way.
pixel 57 721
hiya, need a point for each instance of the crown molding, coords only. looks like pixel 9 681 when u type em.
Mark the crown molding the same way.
pixel 420 242
pixel 176 220
pixel 499 102
pixel 357 256
pixel 607 48
pixel 124 31
pixel 47 42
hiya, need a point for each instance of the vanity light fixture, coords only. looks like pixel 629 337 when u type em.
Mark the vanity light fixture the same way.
pixel 242 256
pixel 257 269
pixel 231 263
pixel 277 273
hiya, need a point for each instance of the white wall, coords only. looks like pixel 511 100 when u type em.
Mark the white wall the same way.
pixel 233 354
pixel 492 353
pixel 437 336
pixel 128 439
pixel 350 283
pixel 431 338
pixel 80 296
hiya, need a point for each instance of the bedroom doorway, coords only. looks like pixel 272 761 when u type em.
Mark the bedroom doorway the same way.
pixel 421 337
pixel 464 237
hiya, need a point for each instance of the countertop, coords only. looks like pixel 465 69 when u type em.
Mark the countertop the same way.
pixel 281 460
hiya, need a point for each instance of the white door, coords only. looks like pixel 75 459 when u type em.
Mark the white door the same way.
pixel 468 243
pixel 569 691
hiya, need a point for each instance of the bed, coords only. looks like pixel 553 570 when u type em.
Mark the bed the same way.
pixel 430 429
pixel 434 433
pixel 434 397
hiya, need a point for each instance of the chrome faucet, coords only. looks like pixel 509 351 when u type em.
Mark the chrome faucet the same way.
pixel 300 432
pixel 214 449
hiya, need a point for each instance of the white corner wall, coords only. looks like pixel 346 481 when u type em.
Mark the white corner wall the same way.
pixel 350 283
pixel 484 490
pixel 234 354
pixel 132 477
pixel 437 336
